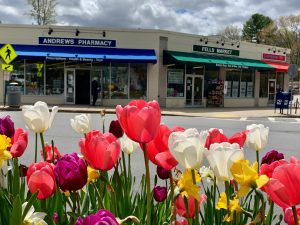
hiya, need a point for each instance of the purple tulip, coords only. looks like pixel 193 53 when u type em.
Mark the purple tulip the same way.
pixel 272 156
pixel 55 217
pixel 7 126
pixel 116 129
pixel 102 217
pixel 162 173
pixel 70 172
pixel 160 193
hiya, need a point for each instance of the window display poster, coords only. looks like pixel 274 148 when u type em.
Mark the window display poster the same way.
pixel 228 92
pixel 243 89
pixel 235 89
pixel 175 77
pixel 249 89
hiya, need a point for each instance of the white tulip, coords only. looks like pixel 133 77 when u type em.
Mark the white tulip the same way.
pixel 127 145
pixel 257 137
pixel 81 123
pixel 221 156
pixel 187 147
pixel 33 218
pixel 37 117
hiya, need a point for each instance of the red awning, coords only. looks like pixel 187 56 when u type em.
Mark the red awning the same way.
pixel 280 66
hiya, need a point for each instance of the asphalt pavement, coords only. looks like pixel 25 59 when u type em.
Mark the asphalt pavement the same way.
pixel 211 112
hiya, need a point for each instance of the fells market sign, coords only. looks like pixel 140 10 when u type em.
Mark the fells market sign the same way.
pixel 77 42
pixel 222 51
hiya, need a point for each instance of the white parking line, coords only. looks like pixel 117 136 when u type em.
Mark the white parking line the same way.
pixel 243 118
pixel 271 119
pixel 298 120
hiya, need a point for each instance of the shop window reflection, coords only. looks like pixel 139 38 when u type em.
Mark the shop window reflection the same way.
pixel 34 78
pixel 54 78
pixel 138 81
pixel 118 87
pixel 17 75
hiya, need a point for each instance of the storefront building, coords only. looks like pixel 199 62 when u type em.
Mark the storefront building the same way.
pixel 57 64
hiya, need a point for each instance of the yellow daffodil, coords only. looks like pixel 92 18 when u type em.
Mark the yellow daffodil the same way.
pixel 247 177
pixel 186 185
pixel 234 206
pixel 92 174
pixel 4 153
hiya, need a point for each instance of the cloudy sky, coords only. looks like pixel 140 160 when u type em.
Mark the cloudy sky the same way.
pixel 189 16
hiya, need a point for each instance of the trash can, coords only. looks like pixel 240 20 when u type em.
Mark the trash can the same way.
pixel 13 94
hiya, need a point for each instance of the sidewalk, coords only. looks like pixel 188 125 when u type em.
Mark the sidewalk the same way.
pixel 194 112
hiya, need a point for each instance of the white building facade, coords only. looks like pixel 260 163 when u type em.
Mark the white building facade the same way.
pixel 57 64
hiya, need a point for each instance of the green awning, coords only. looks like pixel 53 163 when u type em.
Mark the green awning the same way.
pixel 173 57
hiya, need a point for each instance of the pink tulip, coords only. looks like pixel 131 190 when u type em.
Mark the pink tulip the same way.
pixel 180 222
pixel 49 153
pixel 100 150
pixel 19 142
pixel 140 120
pixel 158 150
pixel 283 186
pixel 215 136
pixel 40 177
pixel 289 217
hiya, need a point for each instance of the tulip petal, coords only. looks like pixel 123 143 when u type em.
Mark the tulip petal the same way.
pixel 42 182
pixel 166 160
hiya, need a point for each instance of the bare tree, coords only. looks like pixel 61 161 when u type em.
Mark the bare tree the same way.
pixel 231 32
pixel 43 11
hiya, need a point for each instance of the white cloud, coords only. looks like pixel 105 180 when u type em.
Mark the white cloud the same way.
pixel 193 16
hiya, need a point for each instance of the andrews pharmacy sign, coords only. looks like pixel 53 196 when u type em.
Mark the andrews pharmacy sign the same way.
pixel 77 42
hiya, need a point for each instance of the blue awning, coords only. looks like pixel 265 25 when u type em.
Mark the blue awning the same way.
pixel 85 53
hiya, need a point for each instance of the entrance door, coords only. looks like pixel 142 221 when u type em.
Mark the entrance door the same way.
pixel 194 90
pixel 271 91
pixel 82 90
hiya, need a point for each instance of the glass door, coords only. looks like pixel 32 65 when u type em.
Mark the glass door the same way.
pixel 96 74
pixel 194 90
pixel 70 86
pixel 271 91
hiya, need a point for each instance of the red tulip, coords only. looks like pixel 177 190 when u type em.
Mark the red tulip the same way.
pixel 19 142
pixel 100 150
pixel 49 153
pixel 215 136
pixel 158 150
pixel 283 186
pixel 139 120
pixel 180 206
pixel 40 177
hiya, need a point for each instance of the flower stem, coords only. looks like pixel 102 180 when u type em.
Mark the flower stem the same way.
pixel 196 200
pixel 124 167
pixel 43 146
pixel 35 152
pixel 148 185
pixel 295 215
pixel 270 213
pixel 173 207
pixel 257 159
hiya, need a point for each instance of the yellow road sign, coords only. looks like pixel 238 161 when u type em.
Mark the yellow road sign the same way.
pixel 7 67
pixel 8 53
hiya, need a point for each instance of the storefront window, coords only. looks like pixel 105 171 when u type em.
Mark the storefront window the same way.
pixel 138 81
pixel 17 75
pixel 106 80
pixel 175 83
pixel 280 82
pixel 232 83
pixel 210 77
pixel 54 78
pixel 34 78
pixel 119 81
pixel 247 84
pixel 263 86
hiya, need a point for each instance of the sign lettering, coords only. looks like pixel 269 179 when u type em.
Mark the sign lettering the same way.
pixel 77 42
pixel 222 51
pixel 273 57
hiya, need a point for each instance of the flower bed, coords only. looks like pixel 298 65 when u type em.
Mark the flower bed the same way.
pixel 77 188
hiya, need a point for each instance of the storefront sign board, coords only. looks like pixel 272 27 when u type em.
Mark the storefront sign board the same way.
pixel 274 57
pixel 77 42
pixel 214 50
